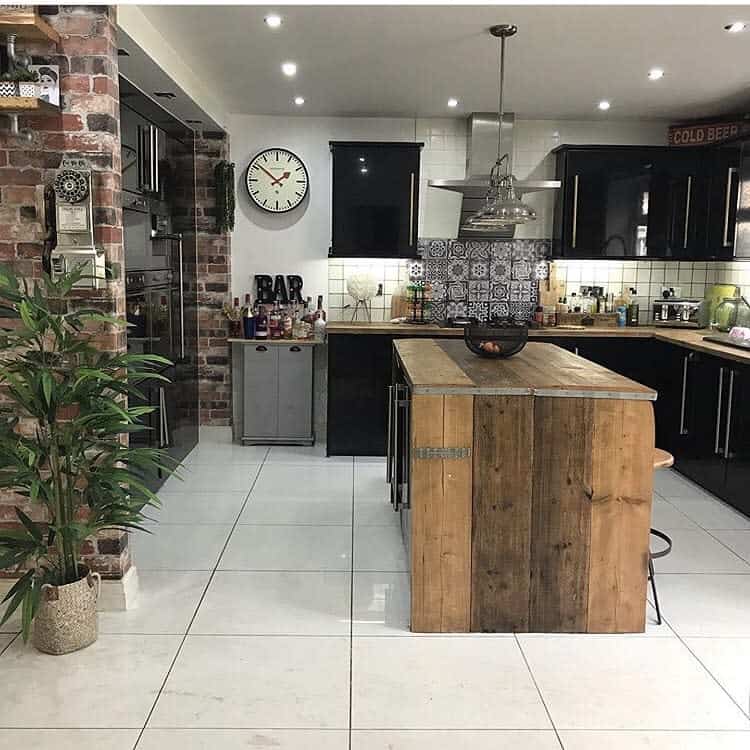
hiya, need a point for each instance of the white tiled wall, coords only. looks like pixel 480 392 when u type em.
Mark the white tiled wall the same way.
pixel 389 273
pixel 649 277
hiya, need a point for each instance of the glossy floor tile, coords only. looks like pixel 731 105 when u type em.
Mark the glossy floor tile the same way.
pixel 710 513
pixel 381 604
pixel 372 505
pixel 655 740
pixel 5 641
pixel 68 739
pixel 244 739
pixel 206 453
pixel 288 548
pixel 706 605
pixel 728 660
pixel 112 683
pixel 290 454
pixel 276 603
pixel 696 551
pixel 379 548
pixel 664 515
pixel 737 541
pixel 443 683
pixel 451 740
pixel 627 683
pixel 256 682
pixel 198 507
pixel 180 547
pixel 166 603
pixel 212 478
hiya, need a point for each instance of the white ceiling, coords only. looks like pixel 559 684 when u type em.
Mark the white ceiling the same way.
pixel 407 61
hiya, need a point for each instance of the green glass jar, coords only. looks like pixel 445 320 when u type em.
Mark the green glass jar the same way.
pixel 731 312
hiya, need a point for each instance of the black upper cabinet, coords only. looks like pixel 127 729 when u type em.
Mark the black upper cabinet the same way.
pixel 627 202
pixel 742 229
pixel 375 205
pixel 722 178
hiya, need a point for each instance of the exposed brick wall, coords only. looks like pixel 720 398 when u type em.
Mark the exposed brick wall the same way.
pixel 214 287
pixel 87 126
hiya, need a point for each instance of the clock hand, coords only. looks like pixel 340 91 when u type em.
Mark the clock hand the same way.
pixel 267 172
pixel 278 180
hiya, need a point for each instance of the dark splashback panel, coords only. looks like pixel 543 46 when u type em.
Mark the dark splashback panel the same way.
pixel 483 279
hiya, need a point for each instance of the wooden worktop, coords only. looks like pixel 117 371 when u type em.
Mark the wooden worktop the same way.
pixel 448 367
pixel 689 338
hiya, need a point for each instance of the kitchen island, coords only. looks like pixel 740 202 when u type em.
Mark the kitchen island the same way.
pixel 526 490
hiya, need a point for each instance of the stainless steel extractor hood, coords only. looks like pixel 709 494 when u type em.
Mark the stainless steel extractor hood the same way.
pixel 481 155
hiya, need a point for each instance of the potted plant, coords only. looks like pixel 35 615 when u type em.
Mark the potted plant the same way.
pixel 19 82
pixel 63 422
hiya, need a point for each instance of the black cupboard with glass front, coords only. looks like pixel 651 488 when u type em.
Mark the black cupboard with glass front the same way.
pixel 375 199
pixel 653 202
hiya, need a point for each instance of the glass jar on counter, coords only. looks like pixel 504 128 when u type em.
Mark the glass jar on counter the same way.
pixel 731 312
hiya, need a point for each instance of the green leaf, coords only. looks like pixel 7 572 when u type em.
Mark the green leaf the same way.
pixel 34 529
pixel 47 385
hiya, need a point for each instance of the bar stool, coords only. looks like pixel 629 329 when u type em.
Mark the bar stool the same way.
pixel 662 460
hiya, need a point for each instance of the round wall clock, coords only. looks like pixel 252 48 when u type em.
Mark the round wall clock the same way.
pixel 276 180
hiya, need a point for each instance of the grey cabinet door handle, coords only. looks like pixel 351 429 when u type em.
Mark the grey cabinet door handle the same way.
pixel 574 236
pixel 727 207
pixel 718 410
pixel 685 360
pixel 294 349
pixel 389 439
pixel 729 413
pixel 687 210
pixel 261 348
pixel 411 211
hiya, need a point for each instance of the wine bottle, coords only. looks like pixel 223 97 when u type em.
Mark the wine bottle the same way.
pixel 261 323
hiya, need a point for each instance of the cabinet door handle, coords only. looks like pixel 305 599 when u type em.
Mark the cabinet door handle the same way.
pixel 685 360
pixel 389 438
pixel 687 210
pixel 155 158
pixel 729 413
pixel 730 174
pixel 574 236
pixel 396 458
pixel 294 349
pixel 718 410
pixel 411 211
pixel 261 348
pixel 405 469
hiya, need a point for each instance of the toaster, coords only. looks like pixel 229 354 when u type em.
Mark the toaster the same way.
pixel 679 313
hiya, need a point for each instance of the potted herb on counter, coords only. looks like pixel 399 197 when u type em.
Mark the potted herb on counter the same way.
pixel 63 419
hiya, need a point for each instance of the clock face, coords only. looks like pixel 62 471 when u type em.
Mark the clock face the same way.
pixel 276 180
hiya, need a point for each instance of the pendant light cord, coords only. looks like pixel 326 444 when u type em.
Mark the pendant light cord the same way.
pixel 500 101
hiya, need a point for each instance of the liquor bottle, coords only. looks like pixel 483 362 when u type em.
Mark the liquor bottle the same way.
pixel 319 320
pixel 307 314
pixel 298 327
pixel 261 323
pixel 248 319
pixel 286 324
pixel 274 322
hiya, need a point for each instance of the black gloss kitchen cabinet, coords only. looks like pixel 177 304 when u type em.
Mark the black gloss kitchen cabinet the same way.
pixel 736 446
pixel 375 199
pixel 722 179
pixel 629 202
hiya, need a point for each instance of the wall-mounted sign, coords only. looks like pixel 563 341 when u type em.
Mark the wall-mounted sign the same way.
pixel 276 180
pixel 274 289
pixel 702 133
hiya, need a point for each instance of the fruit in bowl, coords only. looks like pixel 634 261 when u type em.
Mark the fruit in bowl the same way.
pixel 491 347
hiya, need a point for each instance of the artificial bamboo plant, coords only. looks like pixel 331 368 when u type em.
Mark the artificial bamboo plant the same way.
pixel 63 414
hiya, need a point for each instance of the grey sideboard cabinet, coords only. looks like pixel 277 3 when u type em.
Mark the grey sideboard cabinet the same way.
pixel 272 392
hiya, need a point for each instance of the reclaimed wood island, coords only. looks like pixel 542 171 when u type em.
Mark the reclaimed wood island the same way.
pixel 525 489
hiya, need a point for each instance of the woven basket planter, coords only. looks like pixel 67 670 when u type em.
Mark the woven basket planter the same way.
pixel 66 620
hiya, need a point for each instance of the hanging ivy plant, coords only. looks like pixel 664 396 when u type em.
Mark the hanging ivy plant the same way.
pixel 224 177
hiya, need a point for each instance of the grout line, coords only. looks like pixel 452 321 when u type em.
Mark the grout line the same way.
pixel 15 637
pixel 351 610
pixel 538 690
pixel 197 608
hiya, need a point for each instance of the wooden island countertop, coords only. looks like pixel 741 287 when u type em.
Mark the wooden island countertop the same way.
pixel 529 490
pixel 447 366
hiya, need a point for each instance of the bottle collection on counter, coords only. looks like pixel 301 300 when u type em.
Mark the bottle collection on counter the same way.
pixel 258 321
pixel 591 305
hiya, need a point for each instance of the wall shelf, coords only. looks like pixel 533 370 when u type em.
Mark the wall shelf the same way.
pixel 26 105
pixel 27 26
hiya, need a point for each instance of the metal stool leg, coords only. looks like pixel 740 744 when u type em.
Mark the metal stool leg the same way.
pixel 652 578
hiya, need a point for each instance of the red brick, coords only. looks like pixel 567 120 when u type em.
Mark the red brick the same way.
pixel 72 82
pixel 105 85
pixel 18 196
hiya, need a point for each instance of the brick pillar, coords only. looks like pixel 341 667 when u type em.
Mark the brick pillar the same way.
pixel 87 126
pixel 214 287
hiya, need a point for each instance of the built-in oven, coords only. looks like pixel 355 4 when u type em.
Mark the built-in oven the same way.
pixel 398 455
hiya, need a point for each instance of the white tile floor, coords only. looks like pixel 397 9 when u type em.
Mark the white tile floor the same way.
pixel 274 613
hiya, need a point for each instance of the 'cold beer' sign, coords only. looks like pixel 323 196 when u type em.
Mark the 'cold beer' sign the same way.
pixel 703 133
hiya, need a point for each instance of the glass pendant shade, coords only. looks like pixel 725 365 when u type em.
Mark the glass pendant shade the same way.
pixel 503 207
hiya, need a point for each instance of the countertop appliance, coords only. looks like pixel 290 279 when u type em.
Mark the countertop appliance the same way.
pixel 679 313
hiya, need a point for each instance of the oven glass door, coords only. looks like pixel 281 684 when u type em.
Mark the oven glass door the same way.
pixel 160 312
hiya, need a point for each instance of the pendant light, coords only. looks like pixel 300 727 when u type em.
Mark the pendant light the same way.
pixel 503 206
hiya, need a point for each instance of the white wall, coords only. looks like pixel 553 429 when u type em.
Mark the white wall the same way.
pixel 298 242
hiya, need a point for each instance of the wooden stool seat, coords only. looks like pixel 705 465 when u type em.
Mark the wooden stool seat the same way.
pixel 662 459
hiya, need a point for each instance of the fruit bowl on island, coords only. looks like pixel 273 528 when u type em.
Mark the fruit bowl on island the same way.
pixel 496 339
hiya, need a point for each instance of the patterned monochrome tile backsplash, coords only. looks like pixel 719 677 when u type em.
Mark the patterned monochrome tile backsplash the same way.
pixel 483 279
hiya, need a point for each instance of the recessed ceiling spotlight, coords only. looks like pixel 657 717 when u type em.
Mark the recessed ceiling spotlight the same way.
pixel 364 170
pixel 273 21
pixel 736 27
pixel 362 158
pixel 603 105
pixel 452 102
pixel 655 74
pixel 289 69
pixel 299 100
